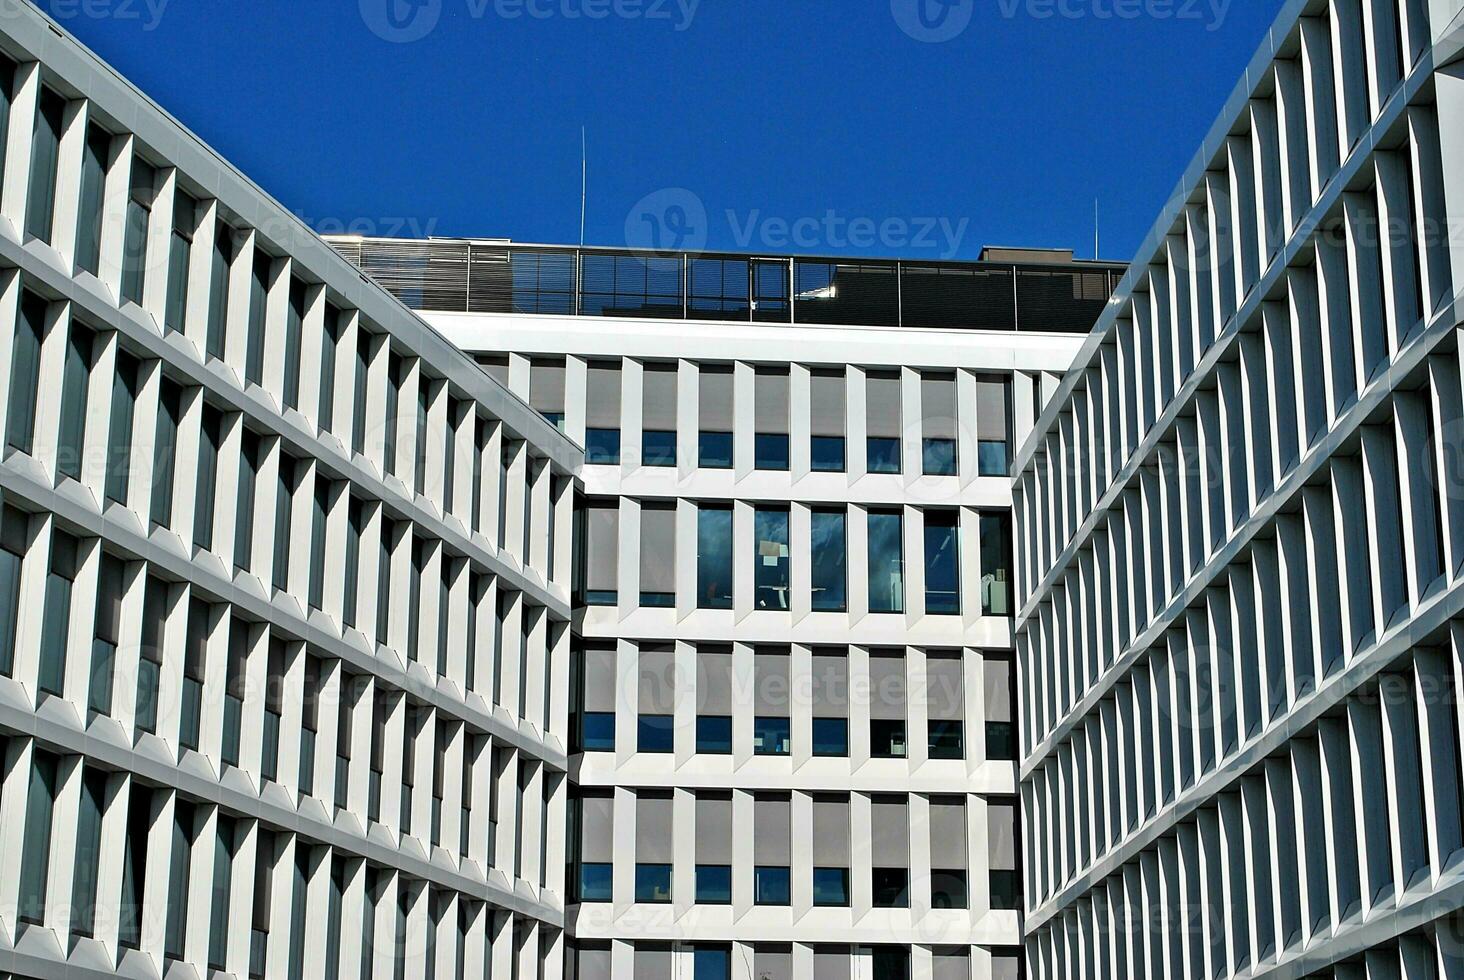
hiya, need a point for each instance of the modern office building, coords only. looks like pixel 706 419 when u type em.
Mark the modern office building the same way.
pixel 793 701
pixel 284 582
pixel 1241 532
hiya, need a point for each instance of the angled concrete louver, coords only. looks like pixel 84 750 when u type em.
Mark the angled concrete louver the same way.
pixel 1239 539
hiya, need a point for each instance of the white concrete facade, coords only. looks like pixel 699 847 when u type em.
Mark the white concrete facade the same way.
pixel 679 807
pixel 1241 538
pixel 284 582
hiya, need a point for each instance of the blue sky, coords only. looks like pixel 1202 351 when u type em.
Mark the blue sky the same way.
pixel 822 126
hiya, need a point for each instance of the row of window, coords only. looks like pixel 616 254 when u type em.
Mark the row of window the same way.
pixel 188 645
pixel 772 736
pixel 833 856
pixel 827 454
pixel 890 888
pixel 829 422
pixel 586 960
pixel 883 687
pixel 498 659
pixel 248 875
pixel 768 553
pixel 185 414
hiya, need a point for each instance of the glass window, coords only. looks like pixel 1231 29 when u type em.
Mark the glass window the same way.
pixel 74 384
pixel 602 447
pixel 258 312
pixel 419 443
pixel 235 683
pixel 656 734
pixel 106 633
pixel 770 290
pixel 358 401
pixel 891 963
pixel 658 556
pixel 599 569
pixel 653 884
pixel 831 737
pixel 829 560
pixel 718 289
pixel 886 562
pixel 596 882
pixel 597 732
pixel 220 265
pixel 831 887
pixel 25 372
pixel 714 734
pixel 993 423
pixel 330 343
pixel 713 884
pixel 119 441
pixel 183 834
pixel 771 451
pixel 887 738
pixel 88 850
pixel 714 558
pixel 195 655
pixel 942 563
pixel 134 865
pixel 883 455
pixel 946 740
pixel 7 95
pixel 13 535
pixel 208 468
pixel 1001 741
pixel 770 528
pixel 770 886
pixel 891 887
pixel 939 457
pixel 658 448
pixel 289 482
pixel 40 208
pixel 56 625
pixel 294 326
pixel 771 736
pixel 96 154
pixel 711 963
pixel 150 656
pixel 320 503
pixel 992 458
pixel 165 451
pixel 948 889
pixel 35 853
pixel 714 450
pixel 180 248
pixel 996 564
pixel 1006 890
pixel 139 215
pixel 828 454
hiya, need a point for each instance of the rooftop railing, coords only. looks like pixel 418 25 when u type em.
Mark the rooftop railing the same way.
pixel 475 276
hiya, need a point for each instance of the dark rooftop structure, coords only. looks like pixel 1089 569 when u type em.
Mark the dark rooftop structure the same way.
pixel 1008 289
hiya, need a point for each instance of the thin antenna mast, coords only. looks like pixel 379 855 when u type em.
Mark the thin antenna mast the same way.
pixel 584 183
pixel 1097 241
